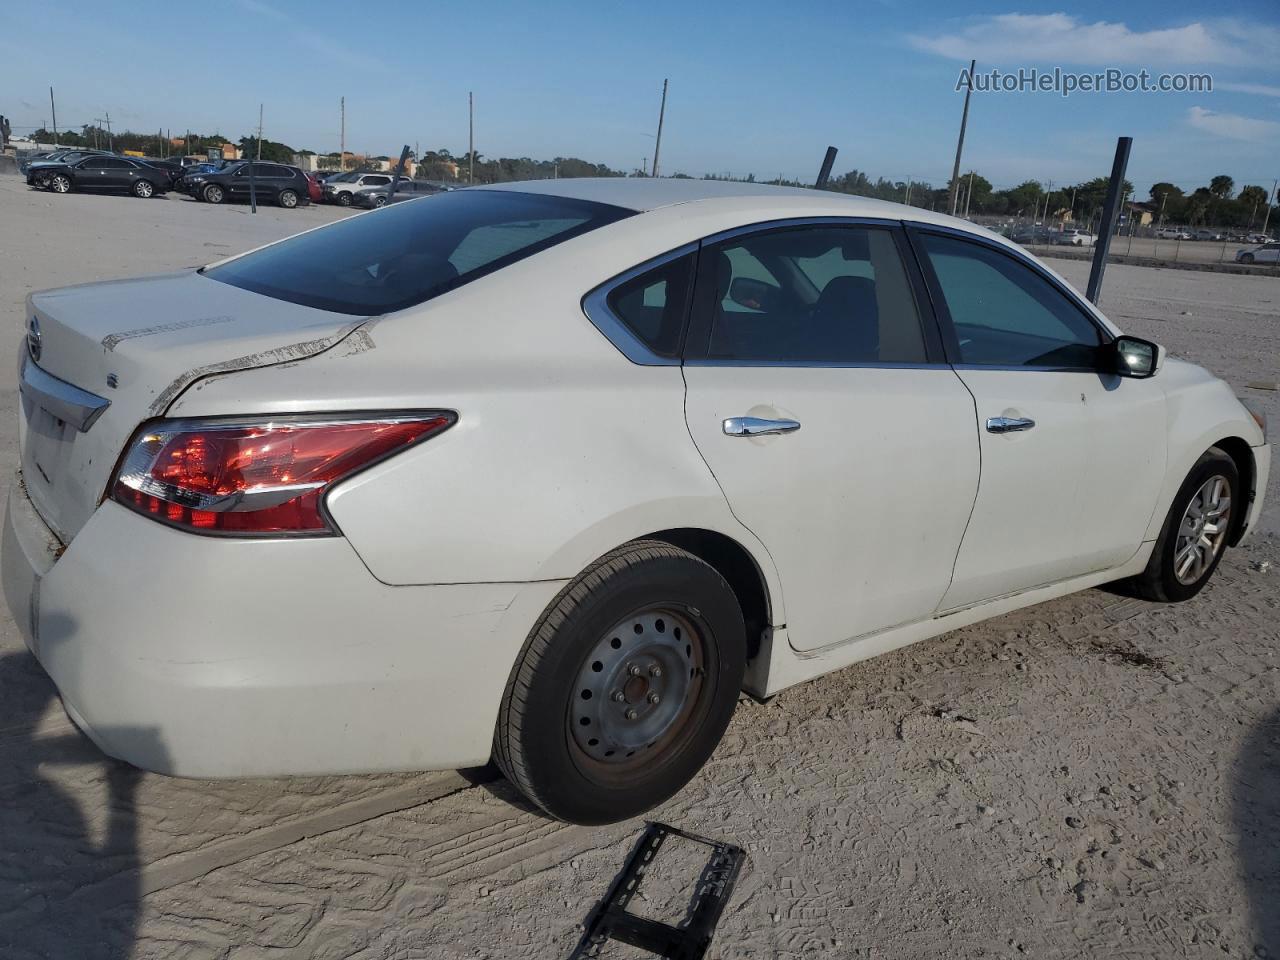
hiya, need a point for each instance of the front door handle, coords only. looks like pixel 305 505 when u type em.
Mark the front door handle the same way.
pixel 758 427
pixel 1009 424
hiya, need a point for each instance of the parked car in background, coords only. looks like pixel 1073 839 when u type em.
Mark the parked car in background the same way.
pixel 1258 238
pixel 105 173
pixel 36 170
pixel 1206 235
pixel 688 379
pixel 191 171
pixel 1264 253
pixel 172 168
pixel 1075 238
pixel 370 197
pixel 1172 233
pixel 342 191
pixel 277 183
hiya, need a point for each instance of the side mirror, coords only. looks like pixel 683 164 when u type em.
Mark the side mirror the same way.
pixel 752 294
pixel 1134 357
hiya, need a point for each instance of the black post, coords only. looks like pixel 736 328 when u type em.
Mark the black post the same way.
pixel 1102 246
pixel 395 179
pixel 253 188
pixel 825 173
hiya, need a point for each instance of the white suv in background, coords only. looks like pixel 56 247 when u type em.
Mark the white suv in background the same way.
pixel 343 191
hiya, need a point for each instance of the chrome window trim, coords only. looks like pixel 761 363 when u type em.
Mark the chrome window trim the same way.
pixel 765 226
pixel 1091 313
pixel 66 401
pixel 596 306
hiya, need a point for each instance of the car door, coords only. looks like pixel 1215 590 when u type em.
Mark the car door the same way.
pixel 818 396
pixel 1072 457
pixel 117 173
pixel 91 173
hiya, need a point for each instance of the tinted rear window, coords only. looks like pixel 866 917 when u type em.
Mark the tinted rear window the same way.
pixel 410 252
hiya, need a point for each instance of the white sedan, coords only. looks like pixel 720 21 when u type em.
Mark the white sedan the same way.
pixel 552 472
pixel 1075 238
pixel 1264 253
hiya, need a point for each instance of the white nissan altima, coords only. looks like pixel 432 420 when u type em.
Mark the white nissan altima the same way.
pixel 552 472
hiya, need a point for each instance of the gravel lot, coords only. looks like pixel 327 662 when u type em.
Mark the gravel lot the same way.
pixel 1096 776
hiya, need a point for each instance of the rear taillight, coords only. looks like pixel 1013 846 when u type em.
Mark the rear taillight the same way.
pixel 256 477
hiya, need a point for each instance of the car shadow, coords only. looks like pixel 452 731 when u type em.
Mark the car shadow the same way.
pixel 70 875
pixel 1256 812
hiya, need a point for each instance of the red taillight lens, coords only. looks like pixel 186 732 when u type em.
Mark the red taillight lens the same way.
pixel 256 477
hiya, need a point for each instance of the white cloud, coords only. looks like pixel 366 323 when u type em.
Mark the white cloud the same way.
pixel 1261 89
pixel 1232 126
pixel 1020 38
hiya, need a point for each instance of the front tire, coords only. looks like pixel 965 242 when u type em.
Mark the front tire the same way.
pixel 143 189
pixel 214 193
pixel 59 183
pixel 1195 533
pixel 1246 258
pixel 344 198
pixel 624 687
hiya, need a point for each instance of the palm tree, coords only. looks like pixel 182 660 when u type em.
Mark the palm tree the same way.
pixel 1254 196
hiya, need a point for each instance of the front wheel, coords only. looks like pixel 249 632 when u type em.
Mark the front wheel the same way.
pixel 624 687
pixel 1195 533
pixel 287 199
pixel 214 193
pixel 1246 258
pixel 59 183
pixel 344 198
pixel 143 189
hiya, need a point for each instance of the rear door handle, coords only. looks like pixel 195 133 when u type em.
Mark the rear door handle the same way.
pixel 1009 424
pixel 758 427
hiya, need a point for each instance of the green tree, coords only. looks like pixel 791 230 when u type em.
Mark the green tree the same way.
pixel 1252 197
pixel 271 150
pixel 1222 186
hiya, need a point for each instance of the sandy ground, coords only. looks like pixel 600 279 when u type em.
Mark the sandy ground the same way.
pixel 1094 776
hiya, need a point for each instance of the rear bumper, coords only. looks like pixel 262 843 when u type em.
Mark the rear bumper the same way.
pixel 197 656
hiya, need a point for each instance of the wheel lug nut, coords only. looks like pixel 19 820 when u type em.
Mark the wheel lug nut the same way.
pixel 633 670
pixel 631 713
pixel 655 671
pixel 654 699
pixel 618 696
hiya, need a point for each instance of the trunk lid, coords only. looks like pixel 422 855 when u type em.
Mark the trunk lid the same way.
pixel 138 344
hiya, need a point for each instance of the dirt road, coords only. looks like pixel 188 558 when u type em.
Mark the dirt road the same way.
pixel 1095 776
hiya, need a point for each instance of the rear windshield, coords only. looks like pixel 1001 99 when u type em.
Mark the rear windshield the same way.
pixel 410 252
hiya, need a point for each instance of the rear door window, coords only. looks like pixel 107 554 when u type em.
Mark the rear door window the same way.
pixel 809 295
pixel 413 252
pixel 653 305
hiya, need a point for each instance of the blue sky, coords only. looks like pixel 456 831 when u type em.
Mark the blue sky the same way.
pixel 756 86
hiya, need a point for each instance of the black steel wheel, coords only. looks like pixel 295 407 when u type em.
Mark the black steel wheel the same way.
pixel 625 686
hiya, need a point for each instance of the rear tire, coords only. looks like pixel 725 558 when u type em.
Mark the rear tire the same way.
pixel 1195 533
pixel 287 199
pixel 214 193
pixel 599 721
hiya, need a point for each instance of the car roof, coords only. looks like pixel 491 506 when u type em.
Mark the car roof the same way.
pixel 649 193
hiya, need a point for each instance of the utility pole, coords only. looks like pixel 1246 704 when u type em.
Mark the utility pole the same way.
pixel 964 122
pixel 111 140
pixel 662 111
pixel 471 137
pixel 644 166
pixel 259 156
pixel 968 195
pixel 1163 197
pixel 1267 220
pixel 342 132
pixel 54 108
